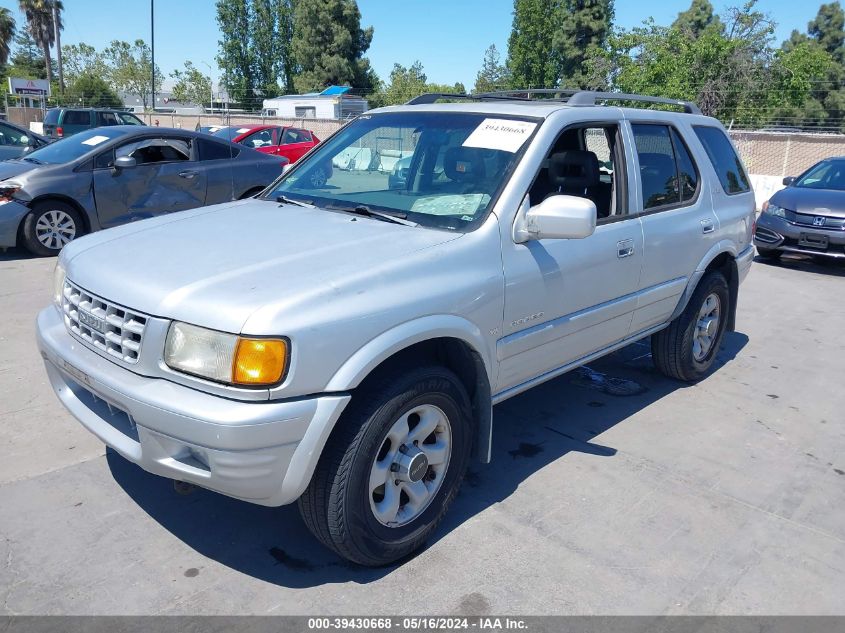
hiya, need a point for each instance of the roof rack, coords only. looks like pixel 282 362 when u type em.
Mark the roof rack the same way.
pixel 565 95
pixel 589 98
pixel 432 97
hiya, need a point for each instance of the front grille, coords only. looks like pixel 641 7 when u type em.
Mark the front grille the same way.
pixel 108 327
pixel 804 219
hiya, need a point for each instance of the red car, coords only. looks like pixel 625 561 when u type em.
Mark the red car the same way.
pixel 289 142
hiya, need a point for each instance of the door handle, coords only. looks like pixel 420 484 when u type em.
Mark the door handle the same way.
pixel 624 248
pixel 187 174
pixel 707 226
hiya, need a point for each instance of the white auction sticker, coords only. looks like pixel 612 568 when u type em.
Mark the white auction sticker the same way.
pixel 95 140
pixel 502 134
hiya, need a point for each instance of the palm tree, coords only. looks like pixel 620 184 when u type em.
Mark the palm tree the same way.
pixel 39 19
pixel 7 32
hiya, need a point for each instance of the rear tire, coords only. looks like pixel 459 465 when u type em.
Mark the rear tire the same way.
pixel 50 226
pixel 769 253
pixel 687 348
pixel 349 508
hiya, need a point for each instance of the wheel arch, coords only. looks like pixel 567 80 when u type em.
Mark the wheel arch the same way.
pixel 86 219
pixel 449 341
pixel 722 258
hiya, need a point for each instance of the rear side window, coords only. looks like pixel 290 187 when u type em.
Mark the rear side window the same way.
pixel 209 150
pixel 723 156
pixel 77 117
pixel 107 118
pixel 667 173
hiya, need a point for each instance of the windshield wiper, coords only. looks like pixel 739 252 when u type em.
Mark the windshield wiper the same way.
pixel 32 160
pixel 367 212
pixel 299 203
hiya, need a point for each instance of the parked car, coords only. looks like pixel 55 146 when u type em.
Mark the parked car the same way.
pixel 294 145
pixel 343 345
pixel 112 175
pixel 290 142
pixel 808 216
pixel 16 141
pixel 64 122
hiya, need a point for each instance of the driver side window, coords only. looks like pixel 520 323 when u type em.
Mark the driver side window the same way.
pixel 584 162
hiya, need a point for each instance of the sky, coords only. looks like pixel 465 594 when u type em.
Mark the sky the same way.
pixel 448 37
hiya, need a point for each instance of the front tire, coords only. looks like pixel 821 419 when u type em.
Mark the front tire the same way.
pixel 50 226
pixel 391 467
pixel 687 348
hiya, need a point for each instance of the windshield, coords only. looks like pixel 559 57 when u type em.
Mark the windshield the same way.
pixel 827 175
pixel 437 169
pixel 230 132
pixel 73 147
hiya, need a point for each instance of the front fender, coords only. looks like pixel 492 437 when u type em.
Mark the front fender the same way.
pixel 379 349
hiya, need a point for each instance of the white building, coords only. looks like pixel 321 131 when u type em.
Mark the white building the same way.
pixel 334 102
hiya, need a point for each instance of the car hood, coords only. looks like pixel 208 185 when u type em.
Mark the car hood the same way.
pixel 14 167
pixel 217 265
pixel 827 202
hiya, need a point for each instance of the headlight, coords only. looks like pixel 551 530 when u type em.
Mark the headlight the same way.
pixel 773 209
pixel 58 283
pixel 8 189
pixel 225 357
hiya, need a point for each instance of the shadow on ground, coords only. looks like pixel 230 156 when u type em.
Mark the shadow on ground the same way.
pixel 531 431
pixel 807 263
pixel 15 254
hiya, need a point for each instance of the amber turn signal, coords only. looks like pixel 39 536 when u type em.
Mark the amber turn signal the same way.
pixel 259 361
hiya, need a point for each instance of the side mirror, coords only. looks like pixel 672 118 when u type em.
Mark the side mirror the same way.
pixel 789 180
pixel 556 217
pixel 125 162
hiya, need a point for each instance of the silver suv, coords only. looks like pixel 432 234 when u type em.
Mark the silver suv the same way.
pixel 342 344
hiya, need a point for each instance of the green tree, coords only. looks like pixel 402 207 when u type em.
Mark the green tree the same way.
pixel 191 85
pixel 404 84
pixel 825 106
pixel 727 73
pixel 698 18
pixel 493 74
pixel 271 21
pixel 532 60
pixel 92 90
pixel 26 60
pixel 7 34
pixel 583 28
pixel 329 45
pixel 236 57
pixel 827 29
pixel 130 69
pixel 82 59
pixel 39 20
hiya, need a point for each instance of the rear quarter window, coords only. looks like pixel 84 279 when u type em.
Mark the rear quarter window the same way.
pixel 77 117
pixel 724 159
pixel 211 150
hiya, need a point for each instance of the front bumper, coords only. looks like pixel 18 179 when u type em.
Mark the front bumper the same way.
pixel 262 452
pixel 11 214
pixel 778 234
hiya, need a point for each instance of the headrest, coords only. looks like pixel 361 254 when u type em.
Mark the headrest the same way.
pixel 463 164
pixel 576 169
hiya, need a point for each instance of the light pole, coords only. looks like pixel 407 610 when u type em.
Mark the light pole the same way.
pixel 210 87
pixel 153 52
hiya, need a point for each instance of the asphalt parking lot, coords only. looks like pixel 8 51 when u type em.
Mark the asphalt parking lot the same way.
pixel 613 491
